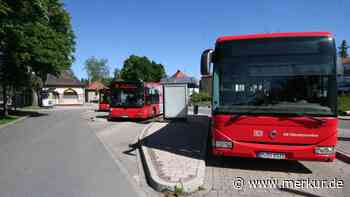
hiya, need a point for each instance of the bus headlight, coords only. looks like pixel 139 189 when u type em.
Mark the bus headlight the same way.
pixel 325 150
pixel 223 144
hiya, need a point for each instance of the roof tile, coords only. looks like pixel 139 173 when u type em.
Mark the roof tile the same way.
pixel 66 78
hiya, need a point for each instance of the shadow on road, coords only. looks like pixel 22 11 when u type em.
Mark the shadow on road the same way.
pixel 99 110
pixel 185 138
pixel 344 138
pixel 298 192
pixel 137 120
pixel 102 116
pixel 133 147
pixel 26 113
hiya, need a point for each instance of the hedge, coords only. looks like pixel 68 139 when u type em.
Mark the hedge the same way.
pixel 200 97
pixel 343 103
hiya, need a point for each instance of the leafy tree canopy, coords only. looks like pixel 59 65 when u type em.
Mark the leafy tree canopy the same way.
pixel 116 74
pixel 97 69
pixel 36 37
pixel 141 68
pixel 37 34
pixel 84 81
pixel 107 81
pixel 4 9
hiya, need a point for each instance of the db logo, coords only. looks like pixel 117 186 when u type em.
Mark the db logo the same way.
pixel 258 133
pixel 273 134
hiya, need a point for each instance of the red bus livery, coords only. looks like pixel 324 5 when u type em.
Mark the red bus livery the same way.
pixel 135 100
pixel 103 104
pixel 274 96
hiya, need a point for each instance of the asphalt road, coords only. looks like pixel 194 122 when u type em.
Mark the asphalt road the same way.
pixel 57 154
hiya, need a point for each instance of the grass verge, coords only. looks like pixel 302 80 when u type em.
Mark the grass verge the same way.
pixel 7 119
pixel 14 115
pixel 343 103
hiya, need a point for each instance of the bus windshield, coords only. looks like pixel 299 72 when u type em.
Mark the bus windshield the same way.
pixel 104 98
pixel 127 97
pixel 275 76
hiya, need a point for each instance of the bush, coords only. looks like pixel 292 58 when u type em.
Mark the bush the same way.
pixel 343 103
pixel 200 97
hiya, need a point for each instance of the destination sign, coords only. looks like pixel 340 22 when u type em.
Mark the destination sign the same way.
pixel 125 86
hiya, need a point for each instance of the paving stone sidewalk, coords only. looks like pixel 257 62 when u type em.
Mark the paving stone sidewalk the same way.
pixel 174 154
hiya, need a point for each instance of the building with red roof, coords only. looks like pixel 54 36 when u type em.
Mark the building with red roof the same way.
pixel 181 77
pixel 92 91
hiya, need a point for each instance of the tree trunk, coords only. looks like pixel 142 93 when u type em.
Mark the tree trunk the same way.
pixel 35 101
pixel 14 98
pixel 14 101
pixel 4 95
pixel 38 97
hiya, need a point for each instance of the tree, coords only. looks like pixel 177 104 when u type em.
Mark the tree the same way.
pixel 84 81
pixel 97 69
pixel 35 83
pixel 107 81
pixel 141 68
pixel 36 39
pixel 343 49
pixel 116 74
pixel 4 9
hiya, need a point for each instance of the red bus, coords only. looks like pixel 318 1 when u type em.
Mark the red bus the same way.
pixel 104 99
pixel 135 100
pixel 274 96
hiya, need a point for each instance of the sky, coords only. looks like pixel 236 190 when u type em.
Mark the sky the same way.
pixel 174 33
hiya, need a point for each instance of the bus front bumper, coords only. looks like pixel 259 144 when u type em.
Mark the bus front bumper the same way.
pixel 133 113
pixel 103 107
pixel 291 152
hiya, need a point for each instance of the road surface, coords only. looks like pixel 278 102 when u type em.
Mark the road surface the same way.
pixel 57 154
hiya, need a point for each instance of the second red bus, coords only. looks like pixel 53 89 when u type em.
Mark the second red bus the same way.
pixel 135 100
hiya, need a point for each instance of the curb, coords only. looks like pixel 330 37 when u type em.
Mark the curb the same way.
pixel 122 169
pixel 340 155
pixel 344 117
pixel 159 184
pixel 13 122
pixel 150 172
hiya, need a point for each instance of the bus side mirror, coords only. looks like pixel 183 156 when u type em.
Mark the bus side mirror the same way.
pixel 206 60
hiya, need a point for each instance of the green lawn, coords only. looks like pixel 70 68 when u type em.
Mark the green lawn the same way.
pixel 343 103
pixel 7 119
pixel 21 112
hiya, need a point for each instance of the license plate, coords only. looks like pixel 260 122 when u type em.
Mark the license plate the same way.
pixel 268 155
pixel 124 116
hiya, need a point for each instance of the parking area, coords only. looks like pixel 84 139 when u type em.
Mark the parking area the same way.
pixel 226 176
pixel 257 177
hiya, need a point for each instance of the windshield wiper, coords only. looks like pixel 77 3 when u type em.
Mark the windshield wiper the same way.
pixel 319 120
pixel 236 116
pixel 232 119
